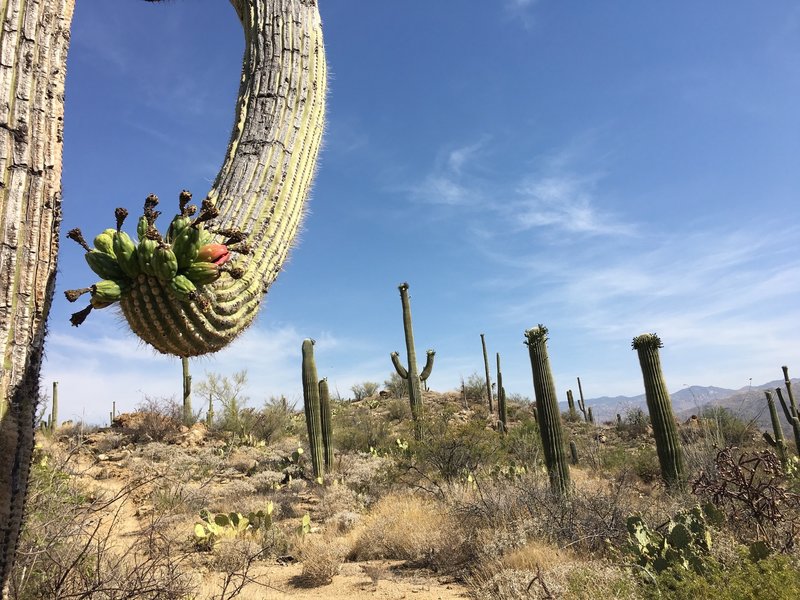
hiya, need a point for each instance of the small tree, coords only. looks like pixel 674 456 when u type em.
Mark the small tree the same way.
pixel 365 389
pixel 229 394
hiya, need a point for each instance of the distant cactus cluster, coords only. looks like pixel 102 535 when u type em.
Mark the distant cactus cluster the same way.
pixel 141 275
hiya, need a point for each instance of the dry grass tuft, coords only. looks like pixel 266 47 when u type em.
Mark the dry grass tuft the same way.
pixel 322 557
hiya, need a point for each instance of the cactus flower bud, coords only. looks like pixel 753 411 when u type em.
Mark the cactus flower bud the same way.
pixel 217 254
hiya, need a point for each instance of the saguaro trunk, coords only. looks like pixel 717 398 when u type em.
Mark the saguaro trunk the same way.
pixel 33 57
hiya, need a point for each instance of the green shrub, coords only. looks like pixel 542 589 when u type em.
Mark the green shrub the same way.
pixel 359 430
pixel 396 386
pixel 364 390
pixel 776 577
pixel 732 429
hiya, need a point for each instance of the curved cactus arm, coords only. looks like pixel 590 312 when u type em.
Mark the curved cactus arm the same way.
pixel 778 441
pixel 260 190
pixel 791 415
pixel 788 383
pixel 398 366
pixel 426 370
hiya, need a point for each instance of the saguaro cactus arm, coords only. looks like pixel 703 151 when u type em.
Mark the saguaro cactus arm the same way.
pixel 260 190
pixel 426 370
pixel 488 379
pixel 778 441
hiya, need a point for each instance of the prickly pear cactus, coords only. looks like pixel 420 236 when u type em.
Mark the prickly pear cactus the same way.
pixel 684 543
pixel 176 288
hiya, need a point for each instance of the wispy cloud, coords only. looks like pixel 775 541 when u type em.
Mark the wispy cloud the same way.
pixel 564 202
pixel 548 195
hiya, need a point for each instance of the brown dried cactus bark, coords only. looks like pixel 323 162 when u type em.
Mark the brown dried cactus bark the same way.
pixel 33 54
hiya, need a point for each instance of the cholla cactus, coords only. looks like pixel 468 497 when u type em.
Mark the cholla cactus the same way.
pixel 549 416
pixel 665 430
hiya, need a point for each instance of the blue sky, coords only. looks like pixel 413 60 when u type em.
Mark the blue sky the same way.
pixel 604 168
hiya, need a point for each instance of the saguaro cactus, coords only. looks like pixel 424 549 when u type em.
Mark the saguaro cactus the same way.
pixel 790 408
pixel 549 416
pixel 54 411
pixel 327 423
pixel 174 296
pixel 34 47
pixel 488 379
pixel 778 441
pixel 411 375
pixel 659 405
pixel 502 411
pixel 573 452
pixel 312 409
pixel 187 392
pixel 582 401
pixel 572 413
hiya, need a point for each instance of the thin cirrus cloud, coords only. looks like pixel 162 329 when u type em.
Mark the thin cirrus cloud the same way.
pixel 554 198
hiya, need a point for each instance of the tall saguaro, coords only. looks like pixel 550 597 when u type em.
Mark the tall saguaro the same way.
pixel 33 59
pixel 260 189
pixel 488 379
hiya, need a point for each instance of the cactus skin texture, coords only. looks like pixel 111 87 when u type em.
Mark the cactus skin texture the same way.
pixel 659 405
pixel 411 374
pixel 778 441
pixel 312 409
pixel 502 412
pixel 261 188
pixel 549 416
pixel 326 420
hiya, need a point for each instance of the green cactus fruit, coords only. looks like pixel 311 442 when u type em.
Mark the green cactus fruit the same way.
pixel 178 224
pixel 105 241
pixel 142 227
pixel 104 265
pixel 109 291
pixel 202 273
pixel 659 405
pixel 187 245
pixel 549 415
pixel 164 262
pixel 126 253
pixel 145 251
pixel 183 288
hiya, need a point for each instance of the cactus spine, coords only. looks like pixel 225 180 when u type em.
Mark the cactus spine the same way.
pixel 326 420
pixel 549 416
pixel 659 405
pixel 410 374
pixel 488 380
pixel 501 400
pixel 312 409
pixel 54 411
pixel 187 392
pixel 778 441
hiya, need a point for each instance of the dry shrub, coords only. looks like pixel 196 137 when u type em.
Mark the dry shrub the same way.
pixel 412 528
pixel 322 558
pixel 574 580
pixel 535 554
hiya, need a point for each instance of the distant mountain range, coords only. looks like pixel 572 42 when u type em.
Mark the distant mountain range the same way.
pixel 747 403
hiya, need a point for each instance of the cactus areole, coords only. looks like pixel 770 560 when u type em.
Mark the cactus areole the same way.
pixel 659 405
pixel 178 288
pixel 548 414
